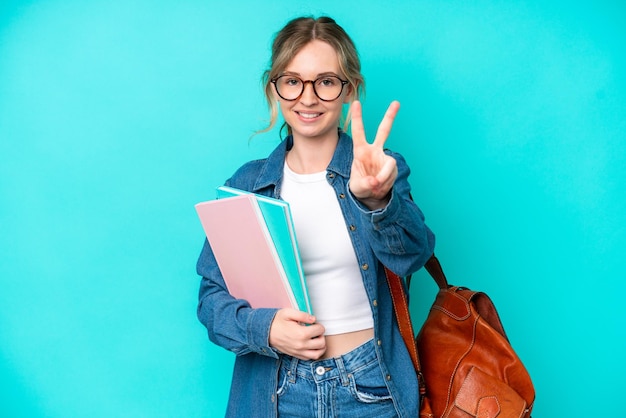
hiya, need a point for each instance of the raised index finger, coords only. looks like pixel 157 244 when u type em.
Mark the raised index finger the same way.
pixel 356 122
pixel 385 125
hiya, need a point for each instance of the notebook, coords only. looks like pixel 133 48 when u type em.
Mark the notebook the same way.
pixel 279 221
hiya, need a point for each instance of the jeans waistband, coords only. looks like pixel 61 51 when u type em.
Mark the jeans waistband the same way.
pixel 332 368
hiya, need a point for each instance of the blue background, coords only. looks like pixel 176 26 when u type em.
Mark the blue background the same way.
pixel 116 117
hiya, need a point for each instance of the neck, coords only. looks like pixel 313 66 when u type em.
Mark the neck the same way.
pixel 311 156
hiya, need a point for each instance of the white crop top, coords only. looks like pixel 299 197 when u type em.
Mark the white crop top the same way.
pixel 333 277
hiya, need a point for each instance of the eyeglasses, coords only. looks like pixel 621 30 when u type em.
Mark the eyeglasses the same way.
pixel 327 88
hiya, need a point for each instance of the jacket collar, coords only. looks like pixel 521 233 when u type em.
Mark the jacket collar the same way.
pixel 272 172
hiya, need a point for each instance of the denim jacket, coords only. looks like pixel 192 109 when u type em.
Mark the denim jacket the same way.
pixel 395 237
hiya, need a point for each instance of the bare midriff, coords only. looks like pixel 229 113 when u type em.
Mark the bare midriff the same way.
pixel 339 344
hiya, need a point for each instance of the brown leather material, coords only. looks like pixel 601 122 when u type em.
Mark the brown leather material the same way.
pixel 497 399
pixel 462 355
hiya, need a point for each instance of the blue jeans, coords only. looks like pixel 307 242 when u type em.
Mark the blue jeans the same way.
pixel 349 386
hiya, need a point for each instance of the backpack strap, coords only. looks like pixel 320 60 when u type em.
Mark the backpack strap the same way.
pixel 436 272
pixel 403 317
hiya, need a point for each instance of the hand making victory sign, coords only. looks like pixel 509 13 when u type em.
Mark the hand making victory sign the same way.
pixel 373 171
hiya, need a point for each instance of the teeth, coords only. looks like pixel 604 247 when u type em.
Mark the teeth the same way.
pixel 309 115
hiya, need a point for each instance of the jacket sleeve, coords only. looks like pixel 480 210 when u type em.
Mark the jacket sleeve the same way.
pixel 231 323
pixel 397 233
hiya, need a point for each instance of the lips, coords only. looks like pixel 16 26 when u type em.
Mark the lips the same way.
pixel 309 115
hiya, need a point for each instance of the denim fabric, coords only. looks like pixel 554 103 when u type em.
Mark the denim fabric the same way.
pixel 395 236
pixel 349 386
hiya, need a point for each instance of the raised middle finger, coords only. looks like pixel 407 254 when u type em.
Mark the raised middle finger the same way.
pixel 385 125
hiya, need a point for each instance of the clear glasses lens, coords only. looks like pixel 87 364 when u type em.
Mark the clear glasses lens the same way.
pixel 327 88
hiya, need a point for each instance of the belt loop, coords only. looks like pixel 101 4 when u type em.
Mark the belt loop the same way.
pixel 342 371
pixel 293 370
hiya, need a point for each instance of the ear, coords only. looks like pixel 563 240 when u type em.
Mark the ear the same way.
pixel 349 96
pixel 274 93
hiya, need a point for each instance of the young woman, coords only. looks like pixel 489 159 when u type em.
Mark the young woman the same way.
pixel 353 214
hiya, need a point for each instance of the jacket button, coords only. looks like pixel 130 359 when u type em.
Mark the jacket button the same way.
pixel 352 228
pixel 375 302
pixel 342 196
pixel 365 266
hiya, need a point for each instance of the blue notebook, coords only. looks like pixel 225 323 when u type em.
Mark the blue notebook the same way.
pixel 280 224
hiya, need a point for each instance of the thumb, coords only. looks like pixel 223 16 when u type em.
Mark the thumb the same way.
pixel 298 316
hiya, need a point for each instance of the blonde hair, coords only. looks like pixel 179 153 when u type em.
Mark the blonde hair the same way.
pixel 293 37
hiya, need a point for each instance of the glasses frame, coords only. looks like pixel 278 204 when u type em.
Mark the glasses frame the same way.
pixel 304 83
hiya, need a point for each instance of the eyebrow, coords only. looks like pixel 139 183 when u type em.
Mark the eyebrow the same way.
pixel 325 74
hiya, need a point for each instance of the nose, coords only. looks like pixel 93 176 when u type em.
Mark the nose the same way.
pixel 308 95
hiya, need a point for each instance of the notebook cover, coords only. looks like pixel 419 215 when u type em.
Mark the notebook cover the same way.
pixel 278 218
pixel 245 253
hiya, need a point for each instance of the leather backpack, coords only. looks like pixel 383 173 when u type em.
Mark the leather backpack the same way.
pixel 466 366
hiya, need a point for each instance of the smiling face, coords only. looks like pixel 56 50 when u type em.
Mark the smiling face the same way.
pixel 309 117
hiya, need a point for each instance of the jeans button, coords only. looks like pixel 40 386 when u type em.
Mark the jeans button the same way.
pixel 320 370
